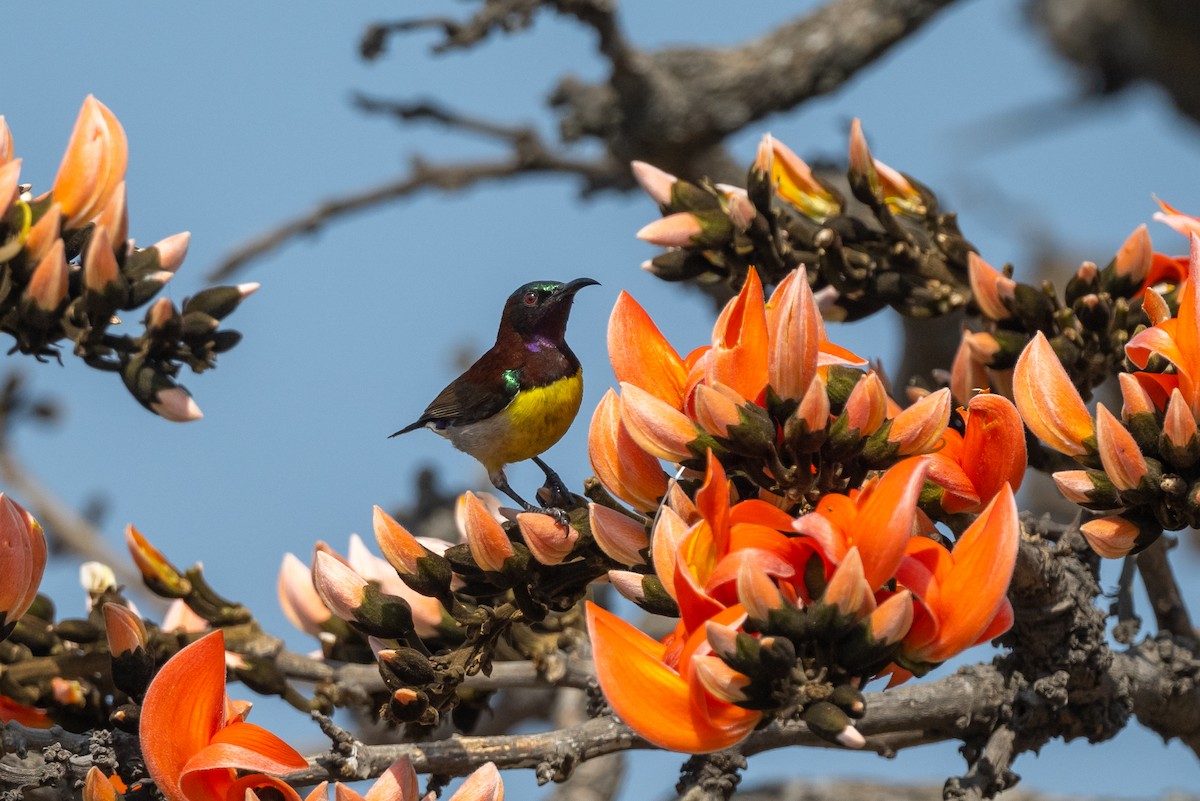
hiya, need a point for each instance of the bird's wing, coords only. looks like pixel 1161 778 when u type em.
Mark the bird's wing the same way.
pixel 476 395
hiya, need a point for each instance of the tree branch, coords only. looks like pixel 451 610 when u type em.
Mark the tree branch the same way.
pixel 533 157
pixel 673 107
pixel 1170 611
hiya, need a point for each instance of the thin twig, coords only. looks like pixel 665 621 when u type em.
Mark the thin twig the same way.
pixel 447 178
pixel 1170 611
pixel 69 530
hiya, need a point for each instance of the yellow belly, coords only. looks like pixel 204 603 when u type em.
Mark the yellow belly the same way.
pixel 536 419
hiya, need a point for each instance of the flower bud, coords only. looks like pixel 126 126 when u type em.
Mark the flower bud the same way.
pixel 298 599
pixel 830 723
pixel 162 577
pixel 1119 453
pixel 100 270
pixel 655 182
pixel 1111 537
pixel 47 288
pixel 489 545
pixel 678 230
pixel 549 540
pixel 22 562
pixel 719 679
pixel 645 590
pixel 622 538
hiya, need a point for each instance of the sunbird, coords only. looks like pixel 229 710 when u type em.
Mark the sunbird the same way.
pixel 521 396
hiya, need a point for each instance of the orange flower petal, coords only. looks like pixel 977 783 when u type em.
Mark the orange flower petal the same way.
pixel 796 332
pixel 972 592
pixel 398 783
pixel 738 357
pixel 245 746
pixel 641 355
pixel 994 445
pixel 654 700
pixel 658 428
pixel 883 525
pixel 183 709
pixel 483 784
pixel 1049 403
pixel 93 165
pixel 625 470
pixel 1119 452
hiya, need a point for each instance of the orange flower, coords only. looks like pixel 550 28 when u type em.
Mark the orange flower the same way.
pixel 22 561
pixel 657 691
pixel 962 592
pixel 1111 537
pixel 192 741
pixel 738 356
pixel 490 546
pixel 47 287
pixel 972 468
pixel 878 520
pixel 1119 452
pixel 796 333
pixel 1178 341
pixel 1185 224
pixel 919 428
pixel 548 540
pixel 620 536
pixel 93 166
pixel 157 571
pixel 1135 258
pixel 657 427
pixel 298 599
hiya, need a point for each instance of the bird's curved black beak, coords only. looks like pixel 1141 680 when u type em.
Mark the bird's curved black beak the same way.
pixel 571 287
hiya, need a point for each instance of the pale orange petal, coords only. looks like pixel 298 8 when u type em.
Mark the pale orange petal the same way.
pixel 658 428
pixel 1049 403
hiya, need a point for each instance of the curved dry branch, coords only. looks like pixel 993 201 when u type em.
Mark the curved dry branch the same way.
pixel 70 531
pixel 672 107
pixel 531 157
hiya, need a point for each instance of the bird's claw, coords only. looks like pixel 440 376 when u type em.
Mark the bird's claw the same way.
pixel 560 516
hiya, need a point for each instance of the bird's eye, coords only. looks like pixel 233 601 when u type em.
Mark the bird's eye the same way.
pixel 531 298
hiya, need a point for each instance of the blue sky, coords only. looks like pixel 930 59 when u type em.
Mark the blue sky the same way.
pixel 238 116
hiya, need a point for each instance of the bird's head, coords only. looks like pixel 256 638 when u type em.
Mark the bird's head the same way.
pixel 539 309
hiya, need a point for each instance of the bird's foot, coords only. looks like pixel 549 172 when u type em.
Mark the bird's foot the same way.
pixel 560 515
pixel 554 492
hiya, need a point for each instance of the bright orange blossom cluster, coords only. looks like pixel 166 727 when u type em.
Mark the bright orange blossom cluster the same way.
pixel 738 567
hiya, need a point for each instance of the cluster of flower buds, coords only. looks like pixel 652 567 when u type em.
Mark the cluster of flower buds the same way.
pixel 93 671
pixel 891 248
pixel 1143 467
pixel 789 616
pixel 166 683
pixel 68 269
pixel 430 613
pixel 792 414
pixel 1088 327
